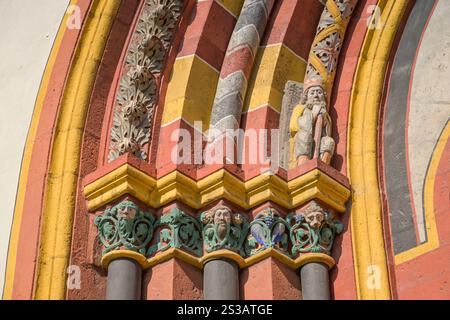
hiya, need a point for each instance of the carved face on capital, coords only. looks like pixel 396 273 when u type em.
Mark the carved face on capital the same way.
pixel 314 215
pixel 127 211
pixel 222 218
pixel 315 219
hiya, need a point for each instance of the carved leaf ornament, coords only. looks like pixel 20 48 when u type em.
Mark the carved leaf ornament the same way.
pixel 138 91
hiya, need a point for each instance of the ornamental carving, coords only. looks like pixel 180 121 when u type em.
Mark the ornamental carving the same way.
pixel 268 230
pixel 223 229
pixel 310 122
pixel 313 230
pixel 177 230
pixel 125 226
pixel 327 50
pixel 324 55
pixel 137 96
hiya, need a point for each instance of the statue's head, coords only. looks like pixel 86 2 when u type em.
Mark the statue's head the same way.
pixel 313 92
pixel 220 217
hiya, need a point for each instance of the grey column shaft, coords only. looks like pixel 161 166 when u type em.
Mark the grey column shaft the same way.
pixel 124 280
pixel 221 280
pixel 315 281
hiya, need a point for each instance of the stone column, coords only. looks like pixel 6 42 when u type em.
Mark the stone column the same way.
pixel 313 236
pixel 222 230
pixel 124 280
pixel 221 280
pixel 315 281
pixel 125 231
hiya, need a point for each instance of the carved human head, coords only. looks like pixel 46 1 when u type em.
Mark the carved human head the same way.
pixel 314 215
pixel 222 216
pixel 127 209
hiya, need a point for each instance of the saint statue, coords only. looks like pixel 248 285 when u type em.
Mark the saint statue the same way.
pixel 311 125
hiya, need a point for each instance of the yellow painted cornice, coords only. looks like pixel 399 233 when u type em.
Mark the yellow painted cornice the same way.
pixel 219 185
pixel 199 262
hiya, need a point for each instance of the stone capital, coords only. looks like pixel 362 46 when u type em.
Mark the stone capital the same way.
pixel 313 230
pixel 125 226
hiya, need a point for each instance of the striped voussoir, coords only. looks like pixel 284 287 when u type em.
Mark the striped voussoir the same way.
pixel 238 64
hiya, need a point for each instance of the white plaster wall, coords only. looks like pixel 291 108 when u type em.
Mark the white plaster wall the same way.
pixel 27 32
pixel 430 102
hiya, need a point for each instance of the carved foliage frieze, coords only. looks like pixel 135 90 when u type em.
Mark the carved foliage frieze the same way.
pixel 138 91
pixel 177 230
pixel 127 227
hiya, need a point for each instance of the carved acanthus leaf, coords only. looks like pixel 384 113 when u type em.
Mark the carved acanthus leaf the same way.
pixel 137 96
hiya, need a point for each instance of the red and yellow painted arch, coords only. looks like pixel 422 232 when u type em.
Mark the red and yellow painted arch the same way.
pixel 23 220
pixel 369 251
pixel 46 278
pixel 40 240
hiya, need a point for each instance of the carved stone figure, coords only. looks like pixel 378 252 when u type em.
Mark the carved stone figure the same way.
pixel 125 226
pixel 222 218
pixel 223 229
pixel 313 230
pixel 311 125
pixel 314 215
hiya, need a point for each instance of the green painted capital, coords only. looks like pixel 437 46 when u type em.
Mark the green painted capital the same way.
pixel 313 230
pixel 267 230
pixel 223 229
pixel 125 226
pixel 177 230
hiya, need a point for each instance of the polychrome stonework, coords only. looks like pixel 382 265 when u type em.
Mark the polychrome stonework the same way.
pixel 178 230
pixel 314 230
pixel 225 150
pixel 267 230
pixel 125 226
pixel 138 93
